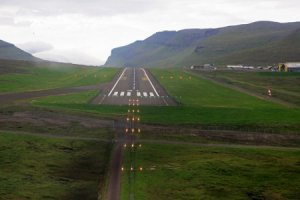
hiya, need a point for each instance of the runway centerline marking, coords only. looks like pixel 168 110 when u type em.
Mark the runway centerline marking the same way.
pixel 117 82
pixel 133 79
pixel 150 82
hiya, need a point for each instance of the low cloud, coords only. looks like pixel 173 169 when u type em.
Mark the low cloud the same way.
pixel 90 7
pixel 69 56
pixel 96 26
pixel 35 47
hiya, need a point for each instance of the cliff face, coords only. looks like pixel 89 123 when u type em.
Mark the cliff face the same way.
pixel 253 44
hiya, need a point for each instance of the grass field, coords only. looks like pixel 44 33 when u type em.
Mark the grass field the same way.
pixel 35 167
pixel 185 172
pixel 283 85
pixel 75 98
pixel 80 102
pixel 194 91
pixel 41 78
pixel 62 168
pixel 203 103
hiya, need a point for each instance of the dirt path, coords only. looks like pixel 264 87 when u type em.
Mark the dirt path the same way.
pixel 114 185
pixel 235 87
pixel 115 174
pixel 215 145
pixel 11 97
pixel 114 182
pixel 47 135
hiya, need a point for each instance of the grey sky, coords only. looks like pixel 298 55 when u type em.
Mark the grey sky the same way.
pixel 86 31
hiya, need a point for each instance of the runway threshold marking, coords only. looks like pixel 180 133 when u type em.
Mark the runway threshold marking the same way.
pixel 117 82
pixel 150 82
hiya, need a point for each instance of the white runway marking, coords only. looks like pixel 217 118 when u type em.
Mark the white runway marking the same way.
pixel 128 94
pixel 115 94
pixel 165 101
pixel 145 94
pixel 151 94
pixel 117 82
pixel 102 99
pixel 150 82
pixel 122 94
pixel 138 94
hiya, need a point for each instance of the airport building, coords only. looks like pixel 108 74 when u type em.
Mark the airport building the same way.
pixel 239 67
pixel 289 67
pixel 203 67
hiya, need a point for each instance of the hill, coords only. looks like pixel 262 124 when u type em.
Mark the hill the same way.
pixel 9 51
pixel 258 43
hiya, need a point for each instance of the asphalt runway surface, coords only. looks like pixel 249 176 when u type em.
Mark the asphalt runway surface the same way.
pixel 135 84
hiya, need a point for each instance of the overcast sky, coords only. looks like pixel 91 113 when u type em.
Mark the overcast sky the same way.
pixel 85 31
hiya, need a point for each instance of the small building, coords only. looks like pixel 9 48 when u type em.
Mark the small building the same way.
pixel 289 67
pixel 235 66
pixel 203 67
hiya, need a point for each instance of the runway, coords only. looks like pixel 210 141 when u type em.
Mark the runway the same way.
pixel 135 83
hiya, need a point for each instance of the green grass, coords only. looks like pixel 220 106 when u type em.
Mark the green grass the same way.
pixel 41 78
pixel 200 92
pixel 275 120
pixel 42 168
pixel 183 172
pixel 203 103
pixel 75 98
pixel 206 103
pixel 80 102
pixel 284 86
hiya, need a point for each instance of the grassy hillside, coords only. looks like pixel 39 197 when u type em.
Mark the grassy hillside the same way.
pixel 253 44
pixel 38 76
pixel 267 47
pixel 11 52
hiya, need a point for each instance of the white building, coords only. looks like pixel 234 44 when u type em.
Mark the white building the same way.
pixel 289 67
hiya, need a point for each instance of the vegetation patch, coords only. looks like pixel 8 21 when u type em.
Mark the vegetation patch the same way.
pixel 42 168
pixel 187 172
pixel 283 85
pixel 42 78
pixel 203 103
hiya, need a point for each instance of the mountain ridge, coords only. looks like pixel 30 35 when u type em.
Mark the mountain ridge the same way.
pixel 9 51
pixel 257 43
